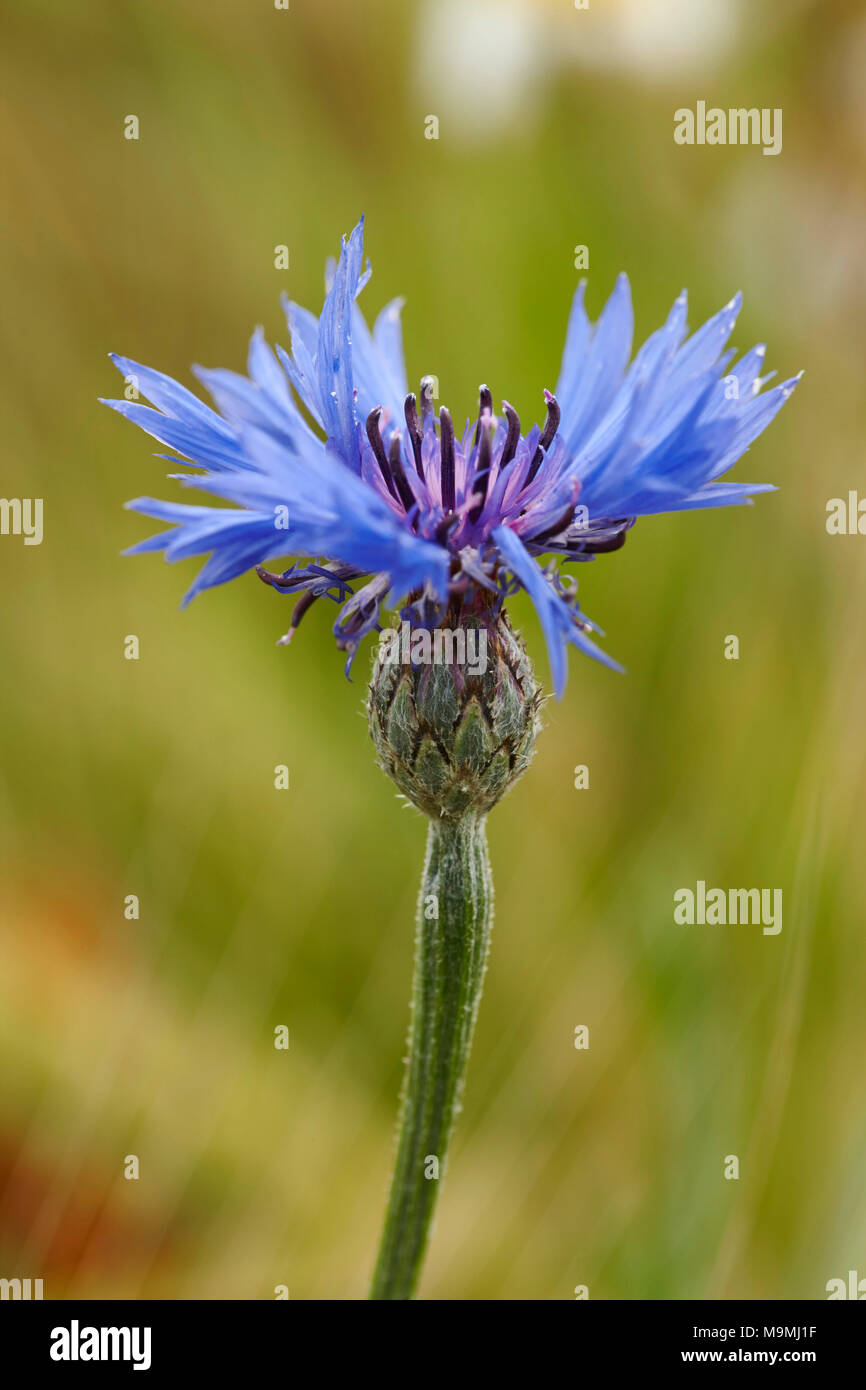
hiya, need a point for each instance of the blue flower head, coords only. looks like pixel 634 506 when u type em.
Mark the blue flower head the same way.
pixel 361 485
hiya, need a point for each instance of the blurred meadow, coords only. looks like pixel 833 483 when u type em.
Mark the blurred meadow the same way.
pixel 259 907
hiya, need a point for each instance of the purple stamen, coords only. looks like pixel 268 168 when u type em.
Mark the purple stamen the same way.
pixel 375 438
pixel 558 526
pixel 512 439
pixel 604 547
pixel 410 410
pixel 547 435
pixel 482 467
pixel 446 453
pixel 395 459
pixel 485 404
pixel 445 527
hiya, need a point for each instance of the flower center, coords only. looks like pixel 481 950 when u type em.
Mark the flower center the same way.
pixel 456 490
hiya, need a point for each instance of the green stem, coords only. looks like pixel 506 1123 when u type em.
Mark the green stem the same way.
pixel 455 915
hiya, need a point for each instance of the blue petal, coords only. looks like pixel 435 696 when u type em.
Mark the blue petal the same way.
pixel 704 347
pixel 388 337
pixel 594 363
pixel 380 379
pixel 170 397
pixel 329 512
pixel 752 420
pixel 556 620
pixel 198 442
pixel 334 355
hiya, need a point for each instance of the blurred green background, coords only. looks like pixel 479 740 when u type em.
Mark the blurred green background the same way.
pixel 154 1037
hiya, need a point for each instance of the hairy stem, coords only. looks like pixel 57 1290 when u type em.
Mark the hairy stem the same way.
pixel 455 915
